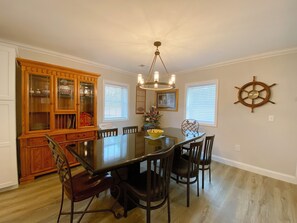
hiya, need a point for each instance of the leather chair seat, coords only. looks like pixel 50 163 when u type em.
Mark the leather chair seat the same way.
pixel 85 185
pixel 139 187
pixel 181 168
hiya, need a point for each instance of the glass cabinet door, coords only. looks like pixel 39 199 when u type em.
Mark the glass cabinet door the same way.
pixel 39 102
pixel 87 105
pixel 65 94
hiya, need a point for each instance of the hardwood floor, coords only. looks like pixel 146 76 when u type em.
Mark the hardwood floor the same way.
pixel 233 195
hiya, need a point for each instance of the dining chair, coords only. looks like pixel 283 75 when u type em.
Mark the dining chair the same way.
pixel 205 161
pixel 80 186
pixel 189 127
pixel 130 129
pixel 103 133
pixel 152 185
pixel 188 169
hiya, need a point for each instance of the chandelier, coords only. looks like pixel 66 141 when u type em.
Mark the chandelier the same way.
pixel 152 81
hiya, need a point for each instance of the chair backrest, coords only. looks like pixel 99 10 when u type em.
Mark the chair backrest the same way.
pixel 61 162
pixel 107 133
pixel 194 157
pixel 189 126
pixel 207 152
pixel 130 129
pixel 158 175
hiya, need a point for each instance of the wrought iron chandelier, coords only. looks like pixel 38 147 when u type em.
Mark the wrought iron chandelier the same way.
pixel 152 81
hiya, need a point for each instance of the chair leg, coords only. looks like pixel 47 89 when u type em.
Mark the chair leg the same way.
pixel 125 203
pixel 168 208
pixel 148 212
pixel 61 206
pixel 202 177
pixel 72 210
pixel 188 192
pixel 209 174
pixel 197 184
pixel 86 208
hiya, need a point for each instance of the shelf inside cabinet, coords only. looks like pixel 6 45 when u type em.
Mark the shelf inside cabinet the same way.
pixel 41 95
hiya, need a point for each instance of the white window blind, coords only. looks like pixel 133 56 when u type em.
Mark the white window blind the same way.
pixel 201 102
pixel 115 102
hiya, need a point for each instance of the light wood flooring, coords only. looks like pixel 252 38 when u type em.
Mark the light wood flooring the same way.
pixel 233 195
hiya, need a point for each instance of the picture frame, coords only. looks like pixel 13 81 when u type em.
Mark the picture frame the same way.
pixel 167 100
pixel 140 100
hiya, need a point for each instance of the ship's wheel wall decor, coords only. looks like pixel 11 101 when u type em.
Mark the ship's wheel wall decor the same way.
pixel 254 94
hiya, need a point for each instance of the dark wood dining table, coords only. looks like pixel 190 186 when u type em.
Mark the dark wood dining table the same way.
pixel 112 153
pixel 122 155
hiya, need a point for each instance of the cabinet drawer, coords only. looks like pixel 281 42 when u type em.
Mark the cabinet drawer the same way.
pixel 81 135
pixel 39 141
pixel 59 138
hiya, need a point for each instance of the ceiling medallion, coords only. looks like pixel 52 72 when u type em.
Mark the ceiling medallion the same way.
pixel 152 81
pixel 254 94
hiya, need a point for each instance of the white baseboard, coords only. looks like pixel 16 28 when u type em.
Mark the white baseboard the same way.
pixel 258 170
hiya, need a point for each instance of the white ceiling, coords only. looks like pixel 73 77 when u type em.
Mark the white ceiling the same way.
pixel 120 33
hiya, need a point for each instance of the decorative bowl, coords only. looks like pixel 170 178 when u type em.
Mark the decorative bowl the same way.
pixel 155 133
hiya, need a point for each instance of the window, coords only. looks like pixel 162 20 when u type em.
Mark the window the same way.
pixel 115 101
pixel 201 102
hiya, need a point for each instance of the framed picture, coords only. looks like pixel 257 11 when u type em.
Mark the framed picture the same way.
pixel 140 100
pixel 167 100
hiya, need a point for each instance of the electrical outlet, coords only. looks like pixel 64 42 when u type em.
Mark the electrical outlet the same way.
pixel 237 148
pixel 270 118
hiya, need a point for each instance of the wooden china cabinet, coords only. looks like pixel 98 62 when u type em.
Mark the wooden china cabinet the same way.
pixel 57 101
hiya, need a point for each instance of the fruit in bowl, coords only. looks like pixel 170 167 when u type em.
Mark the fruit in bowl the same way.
pixel 155 133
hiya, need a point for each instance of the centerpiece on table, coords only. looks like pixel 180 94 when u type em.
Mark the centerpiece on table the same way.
pixel 152 119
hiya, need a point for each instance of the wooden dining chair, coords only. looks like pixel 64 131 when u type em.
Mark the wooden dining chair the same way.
pixel 205 161
pixel 151 185
pixel 103 133
pixel 130 129
pixel 188 169
pixel 81 186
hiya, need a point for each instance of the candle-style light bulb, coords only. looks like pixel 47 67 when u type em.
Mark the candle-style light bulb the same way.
pixel 156 76
pixel 155 85
pixel 139 78
pixel 173 78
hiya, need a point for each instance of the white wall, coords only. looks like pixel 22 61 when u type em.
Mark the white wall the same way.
pixel 106 74
pixel 268 148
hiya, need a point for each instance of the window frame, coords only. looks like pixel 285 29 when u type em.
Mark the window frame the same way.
pixel 201 83
pixel 108 82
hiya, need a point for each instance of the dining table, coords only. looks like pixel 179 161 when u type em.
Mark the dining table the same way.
pixel 122 155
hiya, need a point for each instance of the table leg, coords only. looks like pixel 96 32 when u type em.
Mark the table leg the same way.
pixel 129 174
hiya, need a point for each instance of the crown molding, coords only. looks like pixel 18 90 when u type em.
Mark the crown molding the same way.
pixel 243 59
pixel 18 45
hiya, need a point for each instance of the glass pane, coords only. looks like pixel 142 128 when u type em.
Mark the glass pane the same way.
pixel 39 102
pixel 86 104
pixel 66 94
